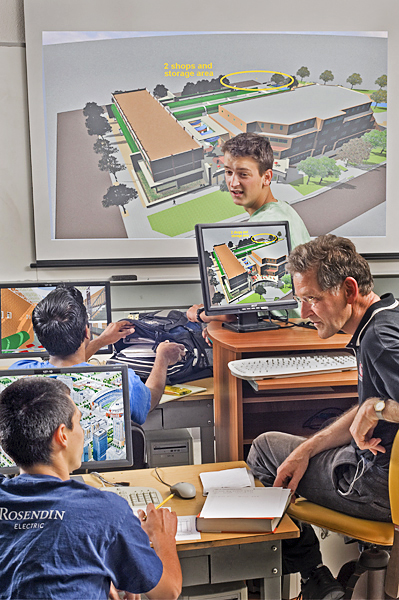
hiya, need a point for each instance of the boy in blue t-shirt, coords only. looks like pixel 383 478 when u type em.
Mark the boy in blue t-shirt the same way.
pixel 62 539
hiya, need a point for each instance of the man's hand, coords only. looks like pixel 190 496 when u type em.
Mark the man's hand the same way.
pixel 206 336
pixel 170 352
pixel 116 331
pixel 158 524
pixel 191 314
pixel 291 471
pixel 363 426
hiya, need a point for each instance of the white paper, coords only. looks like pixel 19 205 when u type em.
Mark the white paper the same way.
pixel 254 503
pixel 186 529
pixel 228 478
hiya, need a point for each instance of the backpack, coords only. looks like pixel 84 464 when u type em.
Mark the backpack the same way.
pixel 138 349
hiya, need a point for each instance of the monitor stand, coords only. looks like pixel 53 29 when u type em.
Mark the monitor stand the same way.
pixel 248 322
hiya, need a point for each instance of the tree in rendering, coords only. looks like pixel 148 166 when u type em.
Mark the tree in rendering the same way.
pixel 160 90
pixel 277 79
pixel 303 72
pixel 286 279
pixel 381 81
pixel 326 76
pixel 331 167
pixel 356 151
pixel 103 146
pixel 377 139
pixel 311 167
pixel 217 298
pixel 354 79
pixel 379 97
pixel 92 109
pixel 119 195
pixel 97 125
pixel 260 290
pixel 109 163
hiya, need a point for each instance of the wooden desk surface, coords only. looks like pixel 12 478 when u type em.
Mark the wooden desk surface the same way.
pixel 277 340
pixel 190 473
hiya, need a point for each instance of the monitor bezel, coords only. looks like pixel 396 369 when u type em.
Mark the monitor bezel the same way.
pixel 53 284
pixel 235 308
pixel 93 465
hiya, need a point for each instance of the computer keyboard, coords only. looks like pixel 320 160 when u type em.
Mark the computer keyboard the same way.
pixel 292 365
pixel 137 497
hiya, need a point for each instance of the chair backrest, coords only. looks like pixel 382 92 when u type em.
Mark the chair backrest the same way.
pixel 394 480
pixel 392 575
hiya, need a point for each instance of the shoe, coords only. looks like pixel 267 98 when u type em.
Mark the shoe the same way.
pixel 321 585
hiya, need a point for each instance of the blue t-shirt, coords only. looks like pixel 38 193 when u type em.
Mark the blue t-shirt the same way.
pixel 139 394
pixel 65 540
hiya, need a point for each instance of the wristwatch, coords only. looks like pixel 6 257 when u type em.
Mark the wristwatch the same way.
pixel 199 312
pixel 379 407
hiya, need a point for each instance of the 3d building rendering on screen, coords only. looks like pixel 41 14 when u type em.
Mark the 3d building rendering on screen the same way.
pixel 167 154
pixel 308 121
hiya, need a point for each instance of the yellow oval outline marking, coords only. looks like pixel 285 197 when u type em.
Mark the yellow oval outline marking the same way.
pixel 233 87
pixel 268 242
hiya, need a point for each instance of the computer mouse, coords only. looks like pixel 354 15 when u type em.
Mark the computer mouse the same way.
pixel 184 490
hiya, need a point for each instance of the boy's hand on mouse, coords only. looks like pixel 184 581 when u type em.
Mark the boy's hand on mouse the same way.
pixel 159 525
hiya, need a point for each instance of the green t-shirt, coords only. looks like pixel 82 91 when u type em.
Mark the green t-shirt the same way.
pixel 281 211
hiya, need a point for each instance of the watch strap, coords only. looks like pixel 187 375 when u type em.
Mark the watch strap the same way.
pixel 199 313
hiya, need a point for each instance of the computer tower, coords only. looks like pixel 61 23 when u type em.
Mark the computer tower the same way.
pixel 169 448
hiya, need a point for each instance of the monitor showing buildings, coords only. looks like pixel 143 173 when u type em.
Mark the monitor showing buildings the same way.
pixel 246 264
pixel 99 396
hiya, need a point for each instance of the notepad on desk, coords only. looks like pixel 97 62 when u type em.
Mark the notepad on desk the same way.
pixel 227 478
pixel 252 510
pixel 173 392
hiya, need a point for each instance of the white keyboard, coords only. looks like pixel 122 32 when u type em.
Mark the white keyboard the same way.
pixel 292 365
pixel 137 497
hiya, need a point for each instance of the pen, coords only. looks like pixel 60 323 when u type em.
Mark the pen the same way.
pixel 164 501
pixel 159 505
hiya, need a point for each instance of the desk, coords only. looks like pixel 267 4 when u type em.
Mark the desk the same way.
pixel 195 410
pixel 217 557
pixel 280 404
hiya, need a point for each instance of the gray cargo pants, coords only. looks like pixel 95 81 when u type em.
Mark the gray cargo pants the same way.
pixel 335 479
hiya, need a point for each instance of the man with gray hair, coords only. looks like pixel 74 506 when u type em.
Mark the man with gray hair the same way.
pixel 344 466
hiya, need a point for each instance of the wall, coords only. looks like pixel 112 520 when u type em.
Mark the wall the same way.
pixel 16 224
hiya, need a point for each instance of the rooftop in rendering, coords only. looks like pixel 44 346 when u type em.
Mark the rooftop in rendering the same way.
pixel 301 104
pixel 158 131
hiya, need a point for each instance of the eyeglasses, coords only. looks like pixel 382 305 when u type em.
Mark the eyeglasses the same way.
pixel 312 300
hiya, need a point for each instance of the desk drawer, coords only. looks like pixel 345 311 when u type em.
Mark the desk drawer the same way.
pixel 247 561
pixel 195 570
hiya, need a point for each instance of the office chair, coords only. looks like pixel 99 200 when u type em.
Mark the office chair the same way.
pixel 382 567
pixel 139 447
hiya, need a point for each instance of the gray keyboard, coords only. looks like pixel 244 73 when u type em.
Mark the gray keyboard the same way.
pixel 292 365
pixel 137 497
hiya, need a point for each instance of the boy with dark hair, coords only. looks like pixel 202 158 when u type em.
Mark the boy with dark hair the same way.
pixel 64 539
pixel 345 465
pixel 61 325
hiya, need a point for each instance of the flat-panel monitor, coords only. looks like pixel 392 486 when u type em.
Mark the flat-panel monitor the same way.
pixel 243 271
pixel 102 395
pixel 17 301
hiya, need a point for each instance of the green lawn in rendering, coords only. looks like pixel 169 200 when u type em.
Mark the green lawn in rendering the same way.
pixel 375 157
pixel 210 208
